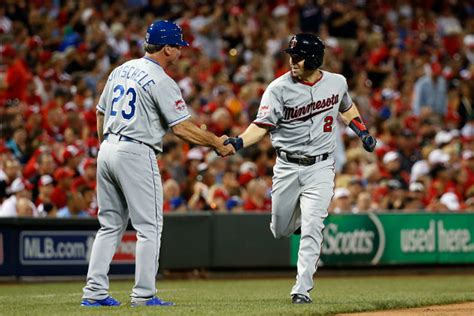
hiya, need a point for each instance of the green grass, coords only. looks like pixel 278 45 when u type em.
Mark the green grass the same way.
pixel 245 297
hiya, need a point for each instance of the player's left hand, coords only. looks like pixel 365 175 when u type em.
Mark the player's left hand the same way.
pixel 369 142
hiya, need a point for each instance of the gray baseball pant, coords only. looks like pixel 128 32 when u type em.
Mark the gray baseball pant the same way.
pixel 129 184
pixel 300 198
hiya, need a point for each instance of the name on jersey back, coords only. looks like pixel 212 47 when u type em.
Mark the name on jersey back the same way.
pixel 141 77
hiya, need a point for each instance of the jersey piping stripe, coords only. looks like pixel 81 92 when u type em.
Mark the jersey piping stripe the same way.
pixel 98 107
pixel 156 213
pixel 153 61
pixel 263 124
pixel 179 120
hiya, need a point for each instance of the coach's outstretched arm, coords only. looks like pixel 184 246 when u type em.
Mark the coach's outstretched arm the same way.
pixel 352 118
pixel 189 132
pixel 253 134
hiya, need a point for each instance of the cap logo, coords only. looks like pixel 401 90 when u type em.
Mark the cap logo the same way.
pixel 293 42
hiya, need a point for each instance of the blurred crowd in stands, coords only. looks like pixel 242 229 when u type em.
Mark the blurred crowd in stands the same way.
pixel 409 66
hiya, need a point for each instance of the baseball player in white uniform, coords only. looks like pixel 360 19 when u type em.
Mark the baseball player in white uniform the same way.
pixel 139 103
pixel 299 109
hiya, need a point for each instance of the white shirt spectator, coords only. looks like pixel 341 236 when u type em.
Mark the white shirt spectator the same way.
pixel 9 206
pixel 420 168
pixel 449 25
pixel 5 24
pixel 451 201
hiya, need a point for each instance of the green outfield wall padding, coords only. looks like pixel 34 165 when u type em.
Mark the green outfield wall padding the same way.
pixel 246 241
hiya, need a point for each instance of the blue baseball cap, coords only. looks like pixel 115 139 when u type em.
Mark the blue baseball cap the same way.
pixel 163 32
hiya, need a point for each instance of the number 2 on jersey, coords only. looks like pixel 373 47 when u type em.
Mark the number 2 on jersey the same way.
pixel 133 98
pixel 327 127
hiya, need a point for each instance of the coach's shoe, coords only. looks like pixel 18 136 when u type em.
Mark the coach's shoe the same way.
pixel 155 301
pixel 108 301
pixel 300 299
pixel 297 231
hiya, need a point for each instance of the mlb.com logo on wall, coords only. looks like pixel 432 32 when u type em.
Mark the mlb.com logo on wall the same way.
pixel 55 247
pixel 69 248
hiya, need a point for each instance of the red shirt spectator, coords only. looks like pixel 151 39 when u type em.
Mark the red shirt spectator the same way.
pixel 257 197
pixel 63 178
pixel 17 76
pixel 251 206
pixel 88 179
pixel 468 168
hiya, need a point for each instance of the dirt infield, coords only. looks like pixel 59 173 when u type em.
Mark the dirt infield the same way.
pixel 436 310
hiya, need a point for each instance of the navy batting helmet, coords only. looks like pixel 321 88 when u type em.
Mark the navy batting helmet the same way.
pixel 309 47
pixel 165 33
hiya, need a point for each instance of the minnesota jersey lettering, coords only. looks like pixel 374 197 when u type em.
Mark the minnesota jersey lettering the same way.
pixel 308 111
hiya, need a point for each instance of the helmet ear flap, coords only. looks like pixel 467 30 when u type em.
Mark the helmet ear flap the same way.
pixel 310 64
pixel 313 63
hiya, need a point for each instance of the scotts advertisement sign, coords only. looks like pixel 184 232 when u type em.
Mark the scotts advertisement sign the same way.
pixel 384 239
pixel 68 248
pixel 361 240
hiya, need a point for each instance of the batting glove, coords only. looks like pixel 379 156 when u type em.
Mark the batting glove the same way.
pixel 237 142
pixel 368 141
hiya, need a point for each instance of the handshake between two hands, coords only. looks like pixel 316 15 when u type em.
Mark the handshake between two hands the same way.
pixel 228 145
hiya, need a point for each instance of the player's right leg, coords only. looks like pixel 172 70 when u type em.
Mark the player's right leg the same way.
pixel 113 218
pixel 286 215
pixel 141 183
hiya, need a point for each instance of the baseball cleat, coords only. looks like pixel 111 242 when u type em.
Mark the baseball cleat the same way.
pixel 108 301
pixel 155 301
pixel 300 299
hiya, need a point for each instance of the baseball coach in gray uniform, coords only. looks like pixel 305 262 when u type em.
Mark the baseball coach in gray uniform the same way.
pixel 137 106
pixel 299 109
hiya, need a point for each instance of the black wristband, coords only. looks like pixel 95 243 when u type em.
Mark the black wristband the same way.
pixel 358 126
pixel 239 143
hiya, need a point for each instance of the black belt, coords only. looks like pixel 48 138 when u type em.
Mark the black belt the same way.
pixel 303 161
pixel 124 138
